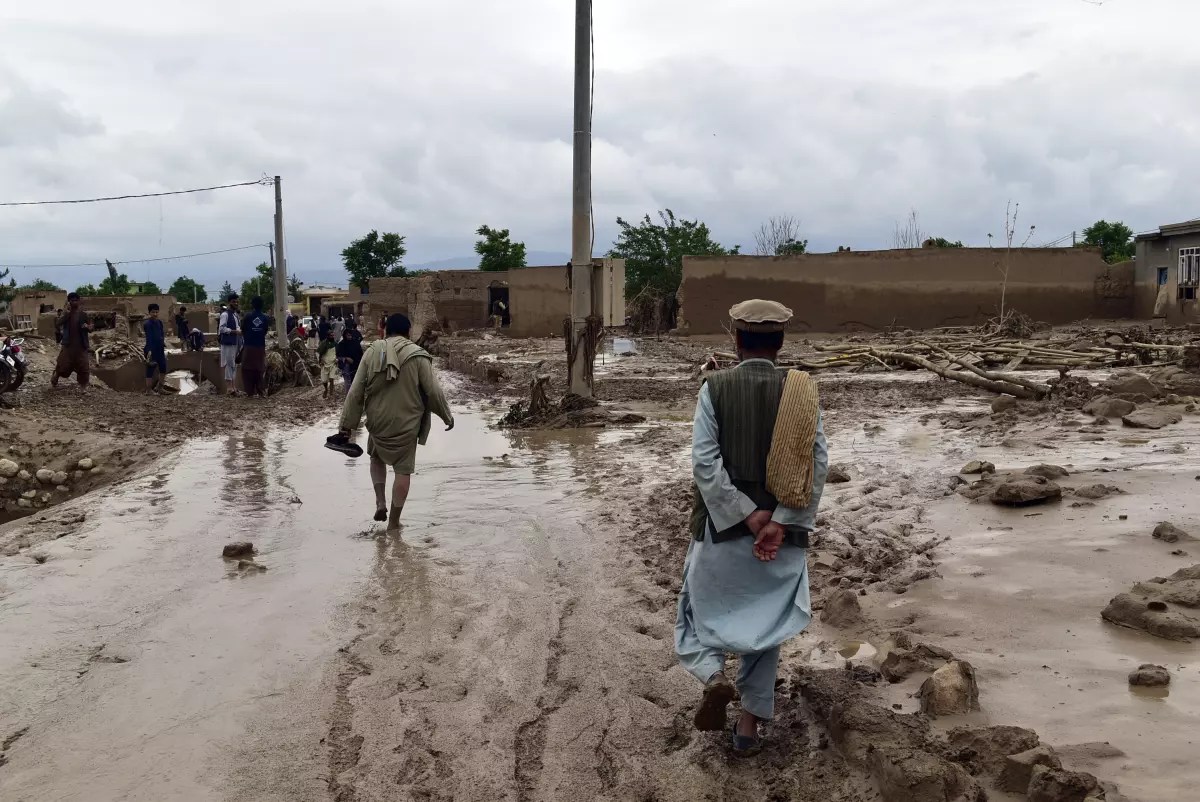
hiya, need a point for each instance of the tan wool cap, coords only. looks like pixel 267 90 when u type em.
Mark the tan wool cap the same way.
pixel 759 315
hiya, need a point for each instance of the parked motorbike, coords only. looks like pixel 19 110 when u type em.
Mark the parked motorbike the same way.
pixel 12 364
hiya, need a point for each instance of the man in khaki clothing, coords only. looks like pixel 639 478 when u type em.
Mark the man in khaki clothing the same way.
pixel 396 387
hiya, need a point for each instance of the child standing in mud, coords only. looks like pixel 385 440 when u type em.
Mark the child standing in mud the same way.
pixel 155 350
pixel 327 357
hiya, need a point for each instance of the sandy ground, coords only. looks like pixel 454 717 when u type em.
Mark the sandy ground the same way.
pixel 515 642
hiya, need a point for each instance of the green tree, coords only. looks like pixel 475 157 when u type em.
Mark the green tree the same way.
pixel 39 285
pixel 941 242
pixel 119 285
pixel 263 284
pixel 226 291
pixel 188 290
pixel 87 289
pixel 653 252
pixel 374 255
pixel 1115 240
pixel 498 252
pixel 150 288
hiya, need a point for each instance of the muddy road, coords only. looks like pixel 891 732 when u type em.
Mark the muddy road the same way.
pixel 505 647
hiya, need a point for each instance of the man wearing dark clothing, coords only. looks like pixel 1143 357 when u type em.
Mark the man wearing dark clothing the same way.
pixel 155 350
pixel 181 326
pixel 196 340
pixel 73 337
pixel 349 354
pixel 254 350
pixel 323 328
pixel 291 322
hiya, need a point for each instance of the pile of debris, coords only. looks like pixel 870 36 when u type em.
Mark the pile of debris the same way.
pixel 987 361
pixel 572 412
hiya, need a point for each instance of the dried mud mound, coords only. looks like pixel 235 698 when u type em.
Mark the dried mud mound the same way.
pixel 1166 607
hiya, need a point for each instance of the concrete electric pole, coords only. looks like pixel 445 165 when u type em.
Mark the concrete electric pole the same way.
pixel 581 202
pixel 280 272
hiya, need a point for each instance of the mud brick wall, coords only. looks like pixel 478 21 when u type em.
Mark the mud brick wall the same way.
pixel 918 289
pixel 540 299
pixel 448 299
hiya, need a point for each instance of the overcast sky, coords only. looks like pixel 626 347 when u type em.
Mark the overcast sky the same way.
pixel 431 118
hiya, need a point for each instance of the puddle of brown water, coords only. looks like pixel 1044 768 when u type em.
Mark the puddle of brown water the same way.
pixel 219 657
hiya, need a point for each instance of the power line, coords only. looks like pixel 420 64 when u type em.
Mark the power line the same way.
pixel 141 261
pixel 261 181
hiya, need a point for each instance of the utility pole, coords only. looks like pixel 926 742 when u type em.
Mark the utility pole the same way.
pixel 581 203
pixel 1072 239
pixel 279 274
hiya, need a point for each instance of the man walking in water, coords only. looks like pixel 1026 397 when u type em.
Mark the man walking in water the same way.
pixel 229 335
pixel 759 461
pixel 396 387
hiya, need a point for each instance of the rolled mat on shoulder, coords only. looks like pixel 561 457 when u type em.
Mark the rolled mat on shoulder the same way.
pixel 790 463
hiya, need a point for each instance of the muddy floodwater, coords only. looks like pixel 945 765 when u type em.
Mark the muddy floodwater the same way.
pixel 146 666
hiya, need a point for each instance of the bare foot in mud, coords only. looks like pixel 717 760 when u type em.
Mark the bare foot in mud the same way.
pixel 380 514
pixel 713 715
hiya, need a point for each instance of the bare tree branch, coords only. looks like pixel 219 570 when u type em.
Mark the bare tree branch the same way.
pixel 909 235
pixel 779 236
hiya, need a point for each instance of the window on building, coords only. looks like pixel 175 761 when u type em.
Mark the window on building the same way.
pixel 24 321
pixel 1163 273
pixel 1189 266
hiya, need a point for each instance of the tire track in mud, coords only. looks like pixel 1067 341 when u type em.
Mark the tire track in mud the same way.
pixel 530 745
pixel 345 747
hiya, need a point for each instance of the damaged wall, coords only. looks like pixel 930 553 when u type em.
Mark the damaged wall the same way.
pixel 918 289
pixel 539 298
pixel 1162 253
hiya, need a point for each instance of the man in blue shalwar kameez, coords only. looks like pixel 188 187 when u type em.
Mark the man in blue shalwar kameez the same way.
pixel 745 578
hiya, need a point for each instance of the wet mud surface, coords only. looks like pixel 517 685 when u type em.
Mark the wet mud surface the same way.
pixel 514 641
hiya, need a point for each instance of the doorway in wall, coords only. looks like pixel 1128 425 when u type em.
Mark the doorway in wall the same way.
pixel 498 304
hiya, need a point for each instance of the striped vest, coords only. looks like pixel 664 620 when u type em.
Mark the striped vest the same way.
pixel 745 400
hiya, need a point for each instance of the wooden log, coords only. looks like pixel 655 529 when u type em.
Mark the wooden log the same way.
pixel 983 382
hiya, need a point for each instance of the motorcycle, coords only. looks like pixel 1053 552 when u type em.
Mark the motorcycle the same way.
pixel 12 364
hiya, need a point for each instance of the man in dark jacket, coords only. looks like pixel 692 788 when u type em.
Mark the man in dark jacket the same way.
pixel 155 350
pixel 182 329
pixel 254 349
pixel 349 354
pixel 73 337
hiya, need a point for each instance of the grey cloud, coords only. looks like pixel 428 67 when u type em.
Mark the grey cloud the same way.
pixel 430 119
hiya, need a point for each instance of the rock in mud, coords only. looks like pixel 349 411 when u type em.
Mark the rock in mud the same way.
pixel 86 464
pixel 24 475
pixel 59 478
pixel 952 690
pixel 1131 384
pixel 1096 492
pixel 1018 768
pixel 1003 403
pixel 838 475
pixel 44 475
pixel 1151 418
pixel 1149 675
pixel 250 565
pixel 1025 492
pixel 915 775
pixel 842 610
pixel 978 466
pixel 931 652
pixel 238 549
pixel 1106 407
pixel 1058 785
pixel 1170 533
pixel 1144 612
pixel 984 750
pixel 899 665
pixel 1047 471
pixel 8 468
